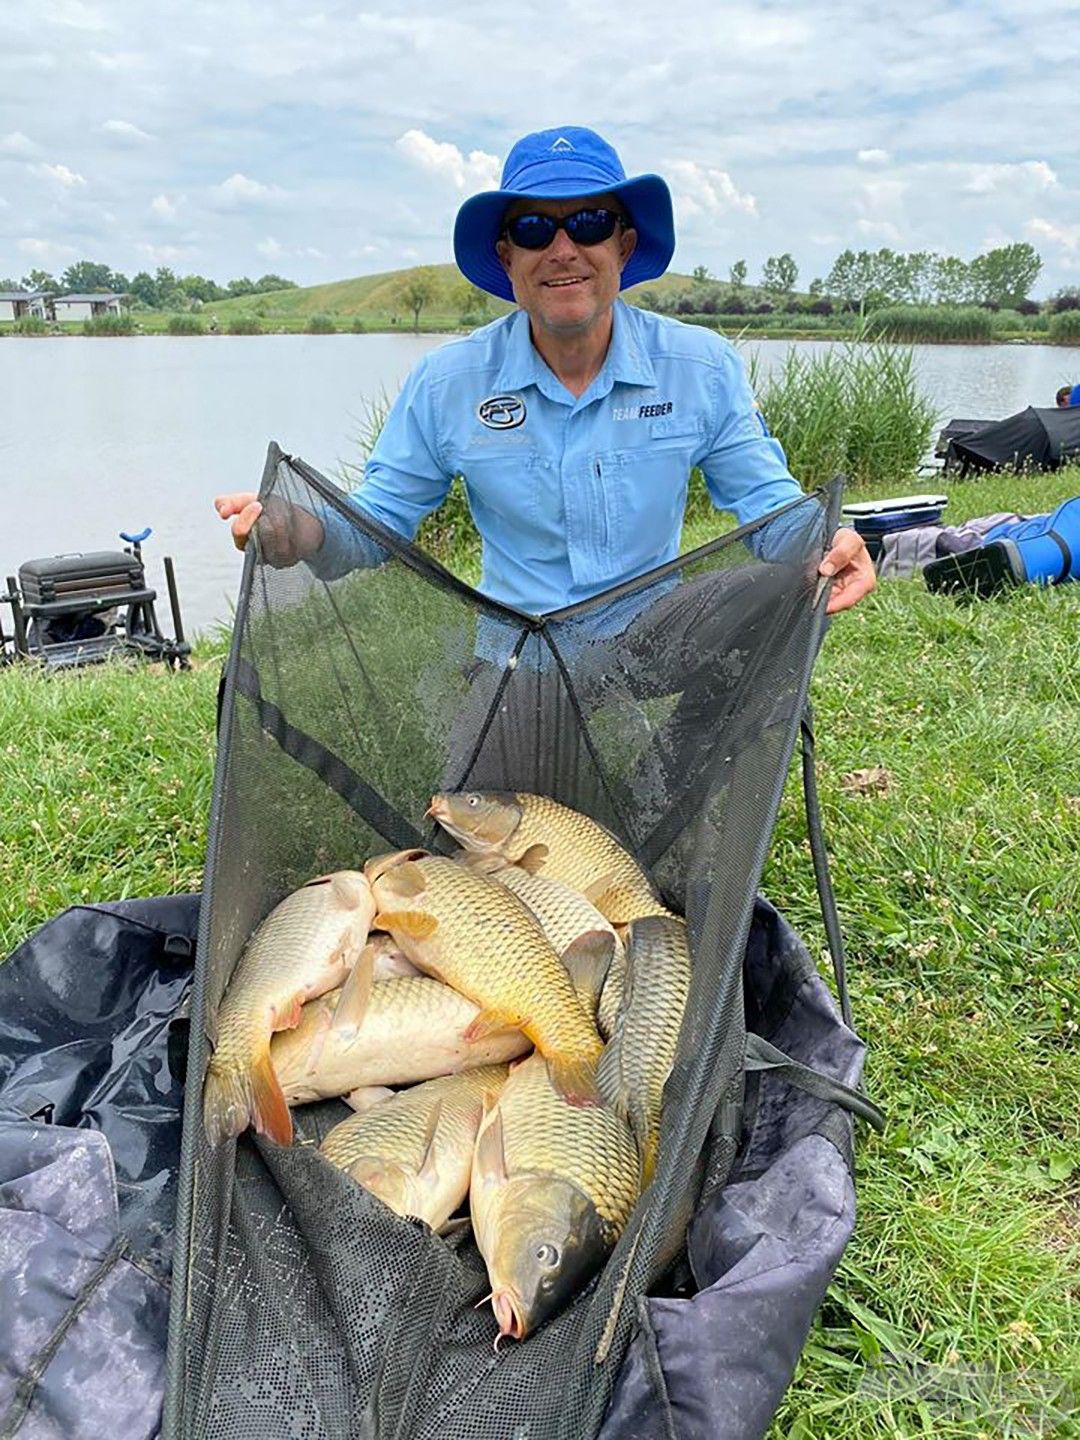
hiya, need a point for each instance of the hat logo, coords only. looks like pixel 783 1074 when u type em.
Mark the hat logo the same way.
pixel 562 144
pixel 501 412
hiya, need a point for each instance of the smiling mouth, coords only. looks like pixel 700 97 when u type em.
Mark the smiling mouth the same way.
pixel 565 282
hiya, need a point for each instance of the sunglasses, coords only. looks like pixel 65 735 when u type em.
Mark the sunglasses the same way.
pixel 585 227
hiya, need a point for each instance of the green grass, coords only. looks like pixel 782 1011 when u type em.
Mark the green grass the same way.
pixel 957 1304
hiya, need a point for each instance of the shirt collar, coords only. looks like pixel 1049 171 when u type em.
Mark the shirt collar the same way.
pixel 626 361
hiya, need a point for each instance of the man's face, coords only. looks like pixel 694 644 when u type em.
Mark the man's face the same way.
pixel 566 288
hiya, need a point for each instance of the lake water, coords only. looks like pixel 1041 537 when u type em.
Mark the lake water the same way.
pixel 98 436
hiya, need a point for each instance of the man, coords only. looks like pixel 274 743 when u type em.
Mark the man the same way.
pixel 576 420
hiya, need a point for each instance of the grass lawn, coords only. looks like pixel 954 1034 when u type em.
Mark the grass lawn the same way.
pixel 956 1311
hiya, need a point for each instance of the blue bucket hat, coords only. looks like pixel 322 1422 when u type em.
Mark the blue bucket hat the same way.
pixel 562 165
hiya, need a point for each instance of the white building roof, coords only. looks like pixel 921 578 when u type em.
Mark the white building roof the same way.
pixel 85 299
pixel 22 294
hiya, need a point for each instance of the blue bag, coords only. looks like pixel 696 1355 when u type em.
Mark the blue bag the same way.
pixel 1043 550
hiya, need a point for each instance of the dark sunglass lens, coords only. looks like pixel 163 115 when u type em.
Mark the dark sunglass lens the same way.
pixel 591 227
pixel 532 232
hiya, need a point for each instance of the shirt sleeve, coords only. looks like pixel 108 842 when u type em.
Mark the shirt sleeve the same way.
pixel 745 468
pixel 404 480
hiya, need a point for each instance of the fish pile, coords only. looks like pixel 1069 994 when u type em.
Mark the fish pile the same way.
pixel 501 1021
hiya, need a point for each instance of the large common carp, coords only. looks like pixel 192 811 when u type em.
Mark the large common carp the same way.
pixel 554 841
pixel 638 1059
pixel 472 933
pixel 582 937
pixel 305 946
pixel 412 1029
pixel 415 1150
pixel 552 1189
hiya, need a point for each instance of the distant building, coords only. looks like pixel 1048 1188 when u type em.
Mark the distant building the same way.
pixel 82 307
pixel 15 304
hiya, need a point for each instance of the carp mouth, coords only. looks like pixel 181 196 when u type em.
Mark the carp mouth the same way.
pixel 508 1314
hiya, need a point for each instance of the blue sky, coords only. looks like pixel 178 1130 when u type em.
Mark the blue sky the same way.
pixel 324 142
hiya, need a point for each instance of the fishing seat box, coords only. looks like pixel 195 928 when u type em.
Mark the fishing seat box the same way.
pixel 63 583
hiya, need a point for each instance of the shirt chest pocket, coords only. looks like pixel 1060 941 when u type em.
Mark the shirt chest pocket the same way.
pixel 647 496
pixel 503 478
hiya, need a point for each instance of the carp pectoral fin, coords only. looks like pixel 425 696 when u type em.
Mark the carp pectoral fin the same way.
pixel 588 959
pixel 350 889
pixel 365 1096
pixel 533 859
pixel 379 864
pixel 355 993
pixel 428 1164
pixel 487 1022
pixel 490 1155
pixel 574 1079
pixel 415 923
pixel 453 1226
pixel 596 888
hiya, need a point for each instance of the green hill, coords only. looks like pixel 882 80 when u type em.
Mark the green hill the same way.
pixel 378 302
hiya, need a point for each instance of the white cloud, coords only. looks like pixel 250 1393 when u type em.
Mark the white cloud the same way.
pixel 1067 236
pixel 161 254
pixel 125 130
pixel 60 173
pixel 873 157
pixel 162 208
pixel 703 191
pixel 476 171
pixel 985 179
pixel 879 230
pixel 73 13
pixel 16 143
pixel 240 190
pixel 272 249
pixel 46 250
pixel 118 60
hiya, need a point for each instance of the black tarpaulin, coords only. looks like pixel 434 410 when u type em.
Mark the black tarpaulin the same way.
pixel 1033 439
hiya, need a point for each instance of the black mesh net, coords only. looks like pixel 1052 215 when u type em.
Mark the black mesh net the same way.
pixel 667 710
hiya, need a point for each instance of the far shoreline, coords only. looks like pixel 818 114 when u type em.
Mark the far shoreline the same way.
pixel 62 332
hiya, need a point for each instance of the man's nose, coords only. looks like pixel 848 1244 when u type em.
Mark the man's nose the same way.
pixel 562 247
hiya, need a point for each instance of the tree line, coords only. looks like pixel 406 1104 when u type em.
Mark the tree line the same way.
pixel 163 290
pixel 868 279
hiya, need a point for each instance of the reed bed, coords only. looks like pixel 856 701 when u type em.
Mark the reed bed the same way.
pixel 1064 329
pixel 932 324
pixel 109 325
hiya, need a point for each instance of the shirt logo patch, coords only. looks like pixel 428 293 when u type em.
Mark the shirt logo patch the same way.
pixel 501 412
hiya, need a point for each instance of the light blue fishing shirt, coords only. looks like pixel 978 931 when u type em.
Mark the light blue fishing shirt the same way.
pixel 571 496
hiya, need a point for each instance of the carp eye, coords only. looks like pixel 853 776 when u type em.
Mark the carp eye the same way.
pixel 548 1256
pixel 472 800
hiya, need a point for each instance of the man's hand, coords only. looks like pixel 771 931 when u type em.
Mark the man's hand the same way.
pixel 849 566
pixel 287 533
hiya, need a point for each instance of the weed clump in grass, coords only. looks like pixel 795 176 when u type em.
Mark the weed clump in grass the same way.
pixel 321 325
pixel 245 325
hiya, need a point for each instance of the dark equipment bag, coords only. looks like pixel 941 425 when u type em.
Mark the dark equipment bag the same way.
pixel 669 710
